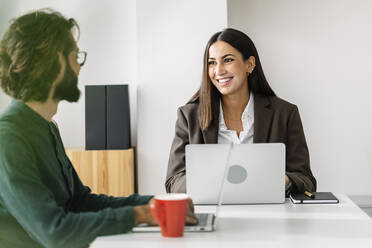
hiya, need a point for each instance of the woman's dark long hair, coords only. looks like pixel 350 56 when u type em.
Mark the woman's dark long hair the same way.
pixel 208 94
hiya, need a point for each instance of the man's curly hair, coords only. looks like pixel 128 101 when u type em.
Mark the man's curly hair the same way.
pixel 29 53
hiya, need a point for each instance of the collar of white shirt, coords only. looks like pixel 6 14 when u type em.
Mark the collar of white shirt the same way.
pixel 247 119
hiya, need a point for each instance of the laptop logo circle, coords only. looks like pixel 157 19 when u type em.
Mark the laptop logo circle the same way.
pixel 237 174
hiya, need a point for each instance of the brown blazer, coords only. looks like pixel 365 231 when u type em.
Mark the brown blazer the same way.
pixel 275 120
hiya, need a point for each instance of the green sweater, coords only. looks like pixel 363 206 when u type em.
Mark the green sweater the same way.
pixel 42 200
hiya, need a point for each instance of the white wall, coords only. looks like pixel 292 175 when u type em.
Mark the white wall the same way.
pixel 317 54
pixel 171 40
pixel 108 34
pixel 163 51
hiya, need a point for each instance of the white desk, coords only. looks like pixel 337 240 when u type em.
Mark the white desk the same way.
pixel 282 225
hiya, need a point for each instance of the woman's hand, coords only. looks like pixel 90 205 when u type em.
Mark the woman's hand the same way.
pixel 287 181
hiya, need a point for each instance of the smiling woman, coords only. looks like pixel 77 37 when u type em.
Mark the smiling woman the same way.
pixel 235 104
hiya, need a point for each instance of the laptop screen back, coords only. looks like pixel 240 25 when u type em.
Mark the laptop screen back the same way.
pixel 255 173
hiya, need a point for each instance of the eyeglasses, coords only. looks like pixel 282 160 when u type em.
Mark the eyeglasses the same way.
pixel 81 57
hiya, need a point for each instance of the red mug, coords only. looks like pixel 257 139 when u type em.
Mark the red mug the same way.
pixel 170 210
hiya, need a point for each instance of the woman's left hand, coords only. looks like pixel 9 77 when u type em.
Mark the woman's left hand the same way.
pixel 286 181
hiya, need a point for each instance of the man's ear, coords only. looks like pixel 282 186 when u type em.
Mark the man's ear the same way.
pixel 62 62
pixel 60 75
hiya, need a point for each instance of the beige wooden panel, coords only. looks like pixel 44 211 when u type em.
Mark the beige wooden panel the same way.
pixel 109 172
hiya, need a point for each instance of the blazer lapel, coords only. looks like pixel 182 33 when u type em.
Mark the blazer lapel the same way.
pixel 262 122
pixel 262 119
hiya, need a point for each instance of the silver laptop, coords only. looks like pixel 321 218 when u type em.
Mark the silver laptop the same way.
pixel 207 222
pixel 255 174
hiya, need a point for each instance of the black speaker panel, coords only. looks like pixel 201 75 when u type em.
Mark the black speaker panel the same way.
pixel 95 117
pixel 118 117
pixel 107 117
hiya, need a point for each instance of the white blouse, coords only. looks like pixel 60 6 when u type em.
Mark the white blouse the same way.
pixel 226 136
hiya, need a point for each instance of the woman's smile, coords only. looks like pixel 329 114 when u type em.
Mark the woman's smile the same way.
pixel 225 81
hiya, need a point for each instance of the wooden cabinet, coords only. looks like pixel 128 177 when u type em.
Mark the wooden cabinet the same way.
pixel 109 172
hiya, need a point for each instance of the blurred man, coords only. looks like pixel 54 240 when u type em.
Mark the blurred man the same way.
pixel 42 200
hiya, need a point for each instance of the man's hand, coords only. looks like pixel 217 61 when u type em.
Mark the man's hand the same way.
pixel 190 217
pixel 143 214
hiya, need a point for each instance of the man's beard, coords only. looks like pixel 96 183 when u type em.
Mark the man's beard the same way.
pixel 67 89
